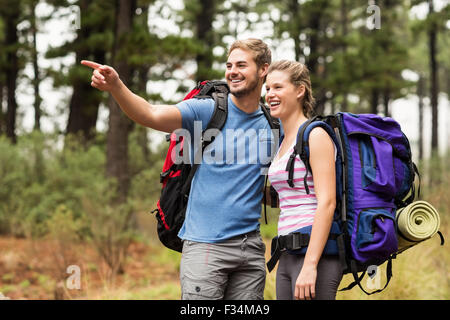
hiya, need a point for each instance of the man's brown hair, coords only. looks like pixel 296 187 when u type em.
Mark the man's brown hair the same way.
pixel 259 49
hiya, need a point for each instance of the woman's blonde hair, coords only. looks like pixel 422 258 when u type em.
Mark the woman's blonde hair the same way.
pixel 299 76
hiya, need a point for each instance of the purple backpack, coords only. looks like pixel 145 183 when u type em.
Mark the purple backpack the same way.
pixel 374 177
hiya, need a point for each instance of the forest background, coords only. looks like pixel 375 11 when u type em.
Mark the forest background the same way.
pixel 78 179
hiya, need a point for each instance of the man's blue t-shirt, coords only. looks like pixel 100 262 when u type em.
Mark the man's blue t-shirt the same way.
pixel 226 191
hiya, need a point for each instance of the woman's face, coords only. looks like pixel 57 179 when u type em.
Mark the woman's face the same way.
pixel 282 96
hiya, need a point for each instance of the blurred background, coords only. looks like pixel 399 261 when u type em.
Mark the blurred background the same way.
pixel 78 179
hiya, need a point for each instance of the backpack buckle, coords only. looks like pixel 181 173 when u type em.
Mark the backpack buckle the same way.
pixel 163 175
pixel 293 241
pixel 299 241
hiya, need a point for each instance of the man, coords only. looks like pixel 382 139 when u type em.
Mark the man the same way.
pixel 223 253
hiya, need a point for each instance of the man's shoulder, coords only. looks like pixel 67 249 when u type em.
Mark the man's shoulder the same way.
pixel 198 102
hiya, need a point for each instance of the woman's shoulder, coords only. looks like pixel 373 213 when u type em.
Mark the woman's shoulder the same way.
pixel 321 142
pixel 319 134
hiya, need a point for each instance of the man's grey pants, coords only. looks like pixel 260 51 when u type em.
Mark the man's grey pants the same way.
pixel 232 269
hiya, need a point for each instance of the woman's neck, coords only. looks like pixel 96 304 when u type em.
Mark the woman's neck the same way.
pixel 291 125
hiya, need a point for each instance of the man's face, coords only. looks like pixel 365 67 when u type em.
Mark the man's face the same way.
pixel 242 73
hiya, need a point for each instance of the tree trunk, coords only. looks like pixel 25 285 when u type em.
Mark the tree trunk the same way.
pixel 12 69
pixel 386 99
pixel 143 140
pixel 312 61
pixel 204 31
pixel 37 77
pixel 420 94
pixel 84 103
pixel 2 115
pixel 344 29
pixel 432 38
pixel 119 124
pixel 294 8
pixel 374 101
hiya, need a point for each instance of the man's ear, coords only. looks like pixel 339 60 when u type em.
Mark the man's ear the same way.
pixel 263 70
pixel 300 91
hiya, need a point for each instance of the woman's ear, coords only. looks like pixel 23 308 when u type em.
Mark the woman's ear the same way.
pixel 300 91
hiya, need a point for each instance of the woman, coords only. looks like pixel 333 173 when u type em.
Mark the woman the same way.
pixel 312 275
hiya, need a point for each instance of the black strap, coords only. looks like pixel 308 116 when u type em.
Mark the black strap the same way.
pixel 219 116
pixel 274 197
pixel 275 256
pixel 292 241
pixel 418 175
pixel 341 248
pixel 357 279
pixel 404 202
pixel 299 149
pixel 442 238
pixel 265 198
pixel 212 85
pixel 290 168
pixel 217 121
pixel 274 123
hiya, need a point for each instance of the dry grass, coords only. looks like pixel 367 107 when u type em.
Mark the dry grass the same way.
pixel 28 269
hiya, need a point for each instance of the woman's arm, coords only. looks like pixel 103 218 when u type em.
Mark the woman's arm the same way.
pixel 321 159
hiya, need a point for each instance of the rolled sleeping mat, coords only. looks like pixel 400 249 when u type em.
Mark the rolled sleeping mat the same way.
pixel 416 222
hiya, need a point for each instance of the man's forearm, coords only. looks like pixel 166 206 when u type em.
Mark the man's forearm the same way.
pixel 163 117
pixel 135 107
pixel 166 118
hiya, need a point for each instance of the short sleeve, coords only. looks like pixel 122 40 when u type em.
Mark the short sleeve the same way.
pixel 195 110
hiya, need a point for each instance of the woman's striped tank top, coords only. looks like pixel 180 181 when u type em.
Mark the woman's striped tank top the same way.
pixel 297 207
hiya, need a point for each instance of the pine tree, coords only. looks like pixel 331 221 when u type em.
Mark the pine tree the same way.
pixel 93 41
pixel 10 14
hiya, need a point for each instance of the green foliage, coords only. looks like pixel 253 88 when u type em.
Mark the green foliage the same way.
pixel 269 230
pixel 62 226
pixel 39 179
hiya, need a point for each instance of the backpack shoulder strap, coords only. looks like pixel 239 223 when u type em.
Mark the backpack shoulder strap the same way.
pixel 301 147
pixel 217 121
pixel 219 116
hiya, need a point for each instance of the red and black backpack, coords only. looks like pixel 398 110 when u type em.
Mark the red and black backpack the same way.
pixel 176 177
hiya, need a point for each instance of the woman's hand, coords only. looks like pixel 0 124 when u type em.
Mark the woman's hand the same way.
pixel 104 77
pixel 305 286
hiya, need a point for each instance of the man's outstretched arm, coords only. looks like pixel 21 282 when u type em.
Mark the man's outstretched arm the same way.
pixel 165 118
